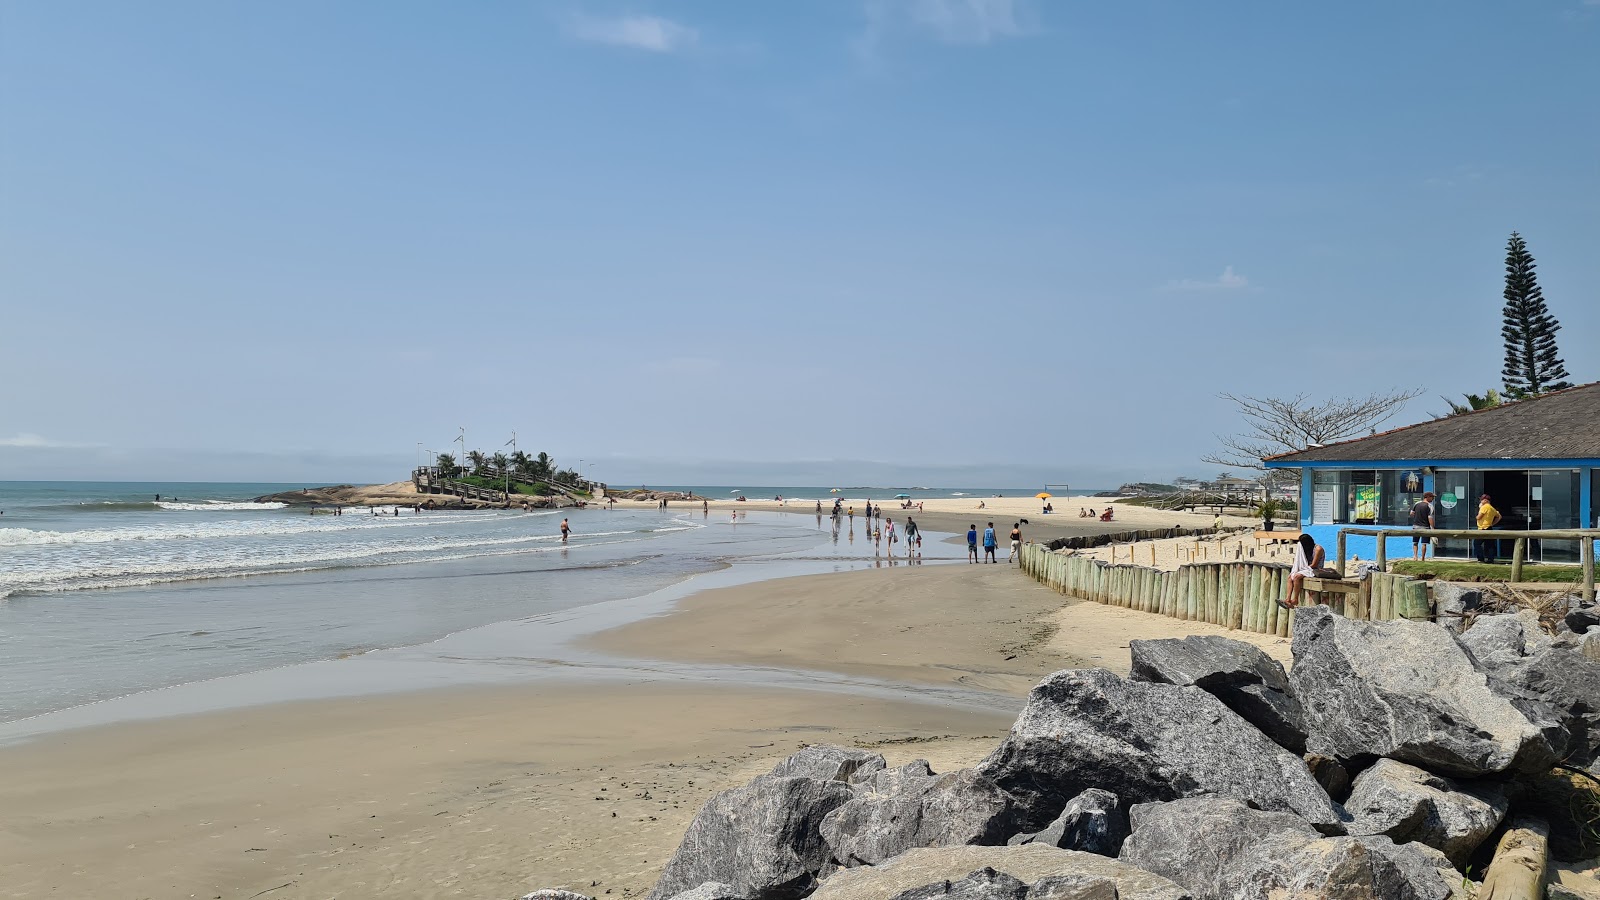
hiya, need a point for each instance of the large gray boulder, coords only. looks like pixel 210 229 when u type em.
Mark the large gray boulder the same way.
pixel 554 894
pixel 1549 679
pixel 711 890
pixel 1452 603
pixel 830 763
pixel 1088 728
pixel 1165 840
pixel 1244 678
pixel 1094 822
pixel 1407 691
pixel 1350 868
pixel 1033 864
pixel 1406 803
pixel 959 808
pixel 762 839
pixel 1221 849
pixel 984 884
pixel 1073 887
pixel 1583 619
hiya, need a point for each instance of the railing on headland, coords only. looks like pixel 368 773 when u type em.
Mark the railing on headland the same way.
pixel 1519 553
pixel 1238 594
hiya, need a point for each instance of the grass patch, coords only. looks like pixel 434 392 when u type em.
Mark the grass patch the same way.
pixel 1465 570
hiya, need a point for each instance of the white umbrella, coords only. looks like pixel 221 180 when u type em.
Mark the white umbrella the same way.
pixel 735 490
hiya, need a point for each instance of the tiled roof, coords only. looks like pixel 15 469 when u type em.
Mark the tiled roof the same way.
pixel 1560 425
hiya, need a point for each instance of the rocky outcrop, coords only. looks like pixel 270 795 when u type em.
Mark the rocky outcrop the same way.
pixel 762 839
pixel 711 890
pixel 1407 691
pixel 1452 603
pixel 554 894
pixel 1093 822
pixel 1035 864
pixel 935 811
pixel 1245 679
pixel 1549 679
pixel 1580 621
pixel 1406 803
pixel 1220 849
pixel 984 884
pixel 830 763
pixel 1088 728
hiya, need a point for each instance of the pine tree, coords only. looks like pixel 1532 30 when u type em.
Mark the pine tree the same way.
pixel 1532 365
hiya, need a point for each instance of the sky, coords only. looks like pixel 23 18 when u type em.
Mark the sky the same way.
pixel 983 242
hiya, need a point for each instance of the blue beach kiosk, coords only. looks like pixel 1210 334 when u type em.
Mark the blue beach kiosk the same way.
pixel 1538 460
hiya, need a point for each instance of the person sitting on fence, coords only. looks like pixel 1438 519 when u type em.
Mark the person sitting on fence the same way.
pixel 1106 516
pixel 1308 559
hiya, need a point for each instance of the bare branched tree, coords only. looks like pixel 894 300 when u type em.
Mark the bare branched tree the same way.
pixel 1283 425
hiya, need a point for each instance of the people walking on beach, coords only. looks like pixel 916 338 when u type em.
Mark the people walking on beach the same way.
pixel 1421 517
pixel 1488 518
pixel 1016 542
pixel 989 544
pixel 888 528
pixel 565 530
pixel 972 543
pixel 852 517
pixel 913 536
pixel 1308 558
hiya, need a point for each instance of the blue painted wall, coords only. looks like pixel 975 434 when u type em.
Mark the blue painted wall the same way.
pixel 1364 546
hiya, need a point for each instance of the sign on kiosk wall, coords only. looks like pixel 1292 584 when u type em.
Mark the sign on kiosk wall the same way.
pixel 1322 508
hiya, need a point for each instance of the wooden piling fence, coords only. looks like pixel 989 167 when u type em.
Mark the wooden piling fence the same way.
pixel 1236 594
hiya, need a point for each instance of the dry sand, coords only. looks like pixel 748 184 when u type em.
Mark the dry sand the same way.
pixel 953 515
pixel 490 792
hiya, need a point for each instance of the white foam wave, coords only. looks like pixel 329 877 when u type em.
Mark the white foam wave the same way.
pixel 227 529
pixel 142 576
pixel 218 505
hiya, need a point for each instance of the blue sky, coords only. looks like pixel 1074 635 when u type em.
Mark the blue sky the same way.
pixel 1012 241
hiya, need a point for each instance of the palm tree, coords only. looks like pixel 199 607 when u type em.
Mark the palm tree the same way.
pixel 1489 400
pixel 480 463
pixel 447 465
pixel 522 464
pixel 543 466
pixel 500 462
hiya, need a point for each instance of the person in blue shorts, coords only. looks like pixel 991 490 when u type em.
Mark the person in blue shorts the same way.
pixel 988 544
pixel 972 543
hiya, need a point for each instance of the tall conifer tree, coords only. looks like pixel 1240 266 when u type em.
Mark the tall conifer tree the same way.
pixel 1532 365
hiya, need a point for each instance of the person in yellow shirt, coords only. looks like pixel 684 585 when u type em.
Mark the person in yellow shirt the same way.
pixel 1488 517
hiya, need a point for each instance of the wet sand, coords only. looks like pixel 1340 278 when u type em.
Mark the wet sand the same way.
pixel 493 791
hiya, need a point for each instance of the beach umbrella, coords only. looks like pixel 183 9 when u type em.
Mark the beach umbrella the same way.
pixel 834 491
pixel 902 496
pixel 736 490
pixel 1043 495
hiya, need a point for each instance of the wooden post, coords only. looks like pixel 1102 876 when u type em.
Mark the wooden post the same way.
pixel 1519 550
pixel 1587 554
pixel 1517 871
pixel 1383 552
pixel 1340 545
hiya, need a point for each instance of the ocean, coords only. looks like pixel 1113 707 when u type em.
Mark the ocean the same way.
pixel 107 591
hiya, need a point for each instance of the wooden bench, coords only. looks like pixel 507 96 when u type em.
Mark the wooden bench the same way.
pixel 1277 537
pixel 1331 586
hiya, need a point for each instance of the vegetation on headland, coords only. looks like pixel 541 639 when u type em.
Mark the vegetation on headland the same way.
pixel 535 475
pixel 1467 570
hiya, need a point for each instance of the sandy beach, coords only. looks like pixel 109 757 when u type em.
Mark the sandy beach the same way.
pixel 493 791
pixel 952 515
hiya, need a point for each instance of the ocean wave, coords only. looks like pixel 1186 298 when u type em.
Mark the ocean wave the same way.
pixel 143 576
pixel 217 505
pixel 231 528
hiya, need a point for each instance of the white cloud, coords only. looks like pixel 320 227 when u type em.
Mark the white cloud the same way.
pixel 967 21
pixel 27 439
pixel 951 21
pixel 1227 281
pixel 651 33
